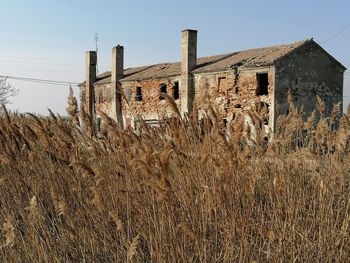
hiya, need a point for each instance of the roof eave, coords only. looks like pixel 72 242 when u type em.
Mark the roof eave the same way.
pixel 308 41
pixel 329 55
pixel 149 78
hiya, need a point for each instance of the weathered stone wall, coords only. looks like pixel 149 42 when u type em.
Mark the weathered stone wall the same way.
pixel 103 98
pixel 235 91
pixel 151 106
pixel 308 72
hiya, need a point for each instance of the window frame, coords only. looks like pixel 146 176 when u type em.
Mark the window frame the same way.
pixel 259 91
pixel 138 94
pixel 162 90
pixel 176 91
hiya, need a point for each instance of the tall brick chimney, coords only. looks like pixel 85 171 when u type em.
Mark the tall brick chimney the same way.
pixel 117 74
pixel 188 63
pixel 90 68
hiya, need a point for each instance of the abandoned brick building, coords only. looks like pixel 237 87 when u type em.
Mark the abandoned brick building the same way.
pixel 237 82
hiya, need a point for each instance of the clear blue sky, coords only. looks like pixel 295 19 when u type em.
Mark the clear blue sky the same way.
pixel 47 39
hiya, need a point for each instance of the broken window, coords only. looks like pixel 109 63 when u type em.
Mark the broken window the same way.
pixel 263 84
pixel 138 96
pixel 163 88
pixel 176 93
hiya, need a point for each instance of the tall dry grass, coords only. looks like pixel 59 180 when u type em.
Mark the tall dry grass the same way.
pixel 186 191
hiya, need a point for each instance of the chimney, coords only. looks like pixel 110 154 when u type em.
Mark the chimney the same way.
pixel 188 63
pixel 116 76
pixel 90 64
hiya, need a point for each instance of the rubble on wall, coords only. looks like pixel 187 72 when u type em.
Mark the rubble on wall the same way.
pixel 233 92
pixel 151 104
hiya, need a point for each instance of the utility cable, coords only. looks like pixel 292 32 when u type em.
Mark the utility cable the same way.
pixel 43 81
pixel 337 34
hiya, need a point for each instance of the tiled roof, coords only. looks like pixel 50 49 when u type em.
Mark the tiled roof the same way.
pixel 246 58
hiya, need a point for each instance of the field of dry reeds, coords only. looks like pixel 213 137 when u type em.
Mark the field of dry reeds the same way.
pixel 185 191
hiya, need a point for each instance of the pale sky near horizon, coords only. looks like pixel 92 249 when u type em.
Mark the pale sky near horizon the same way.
pixel 47 39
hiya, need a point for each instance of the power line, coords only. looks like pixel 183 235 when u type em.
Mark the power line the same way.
pixel 337 34
pixel 42 81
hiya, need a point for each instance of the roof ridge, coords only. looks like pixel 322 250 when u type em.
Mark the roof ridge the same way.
pixel 261 56
pixel 225 55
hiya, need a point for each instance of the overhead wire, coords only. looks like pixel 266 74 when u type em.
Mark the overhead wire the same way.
pixel 337 34
pixel 42 81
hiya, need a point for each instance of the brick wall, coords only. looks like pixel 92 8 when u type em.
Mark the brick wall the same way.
pixel 151 106
pixel 233 93
pixel 103 98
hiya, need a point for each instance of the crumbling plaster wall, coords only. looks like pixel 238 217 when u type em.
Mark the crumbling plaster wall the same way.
pixel 103 98
pixel 151 106
pixel 308 72
pixel 234 92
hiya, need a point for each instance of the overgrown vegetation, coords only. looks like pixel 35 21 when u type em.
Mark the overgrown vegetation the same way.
pixel 186 191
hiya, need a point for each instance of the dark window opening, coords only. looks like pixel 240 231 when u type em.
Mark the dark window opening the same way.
pixel 263 84
pixel 163 88
pixel 138 96
pixel 176 93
